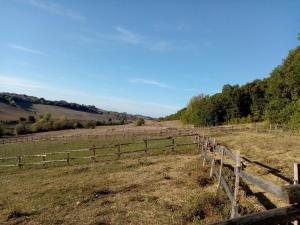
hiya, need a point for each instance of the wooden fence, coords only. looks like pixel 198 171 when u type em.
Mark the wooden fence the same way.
pixel 289 193
pixel 108 134
pixel 111 133
pixel 68 155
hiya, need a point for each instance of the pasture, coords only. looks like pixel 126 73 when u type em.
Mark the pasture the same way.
pixel 160 187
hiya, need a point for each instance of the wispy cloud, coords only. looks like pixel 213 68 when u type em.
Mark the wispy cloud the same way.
pixel 18 82
pixel 150 82
pixel 25 49
pixel 54 8
pixel 126 36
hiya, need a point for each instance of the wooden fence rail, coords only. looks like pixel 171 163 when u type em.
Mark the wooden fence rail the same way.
pixel 127 133
pixel 269 217
pixel 288 193
pixel 20 160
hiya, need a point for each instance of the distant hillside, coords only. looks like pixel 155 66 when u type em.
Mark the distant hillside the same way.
pixel 13 106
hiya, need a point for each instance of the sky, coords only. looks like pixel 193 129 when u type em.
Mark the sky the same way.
pixel 138 56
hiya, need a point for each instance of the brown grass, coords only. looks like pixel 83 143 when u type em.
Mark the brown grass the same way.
pixel 148 190
pixel 268 156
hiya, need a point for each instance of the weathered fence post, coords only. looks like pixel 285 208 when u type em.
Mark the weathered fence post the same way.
pixel 213 159
pixel 173 144
pixel 296 180
pixel 146 145
pixel 93 149
pixel 44 159
pixel 199 143
pixel 19 163
pixel 221 168
pixel 119 150
pixel 204 151
pixel 68 158
pixel 235 205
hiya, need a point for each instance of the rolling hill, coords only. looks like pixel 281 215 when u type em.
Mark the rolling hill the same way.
pixel 13 106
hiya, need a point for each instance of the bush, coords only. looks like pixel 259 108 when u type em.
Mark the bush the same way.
pixel 62 124
pixel 140 122
pixel 90 124
pixel 43 124
pixel 21 128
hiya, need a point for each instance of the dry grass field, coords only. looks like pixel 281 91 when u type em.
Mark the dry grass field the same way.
pixel 270 156
pixel 8 112
pixel 163 187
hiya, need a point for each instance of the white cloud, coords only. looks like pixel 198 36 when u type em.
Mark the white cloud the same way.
pixel 150 82
pixel 129 37
pixel 7 81
pixel 25 49
pixel 54 8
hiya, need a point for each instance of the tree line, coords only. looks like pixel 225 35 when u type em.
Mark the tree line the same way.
pixel 275 99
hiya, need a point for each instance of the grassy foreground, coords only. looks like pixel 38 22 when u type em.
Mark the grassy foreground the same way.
pixel 163 187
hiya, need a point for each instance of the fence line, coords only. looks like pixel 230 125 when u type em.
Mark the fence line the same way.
pixel 111 133
pixel 209 150
pixel 93 150
pixel 288 193
pixel 118 133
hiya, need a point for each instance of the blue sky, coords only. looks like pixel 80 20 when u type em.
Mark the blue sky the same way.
pixel 141 57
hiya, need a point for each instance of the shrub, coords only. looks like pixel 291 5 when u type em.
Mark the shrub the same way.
pixel 140 122
pixel 63 123
pixel 90 124
pixel 21 128
pixel 42 125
